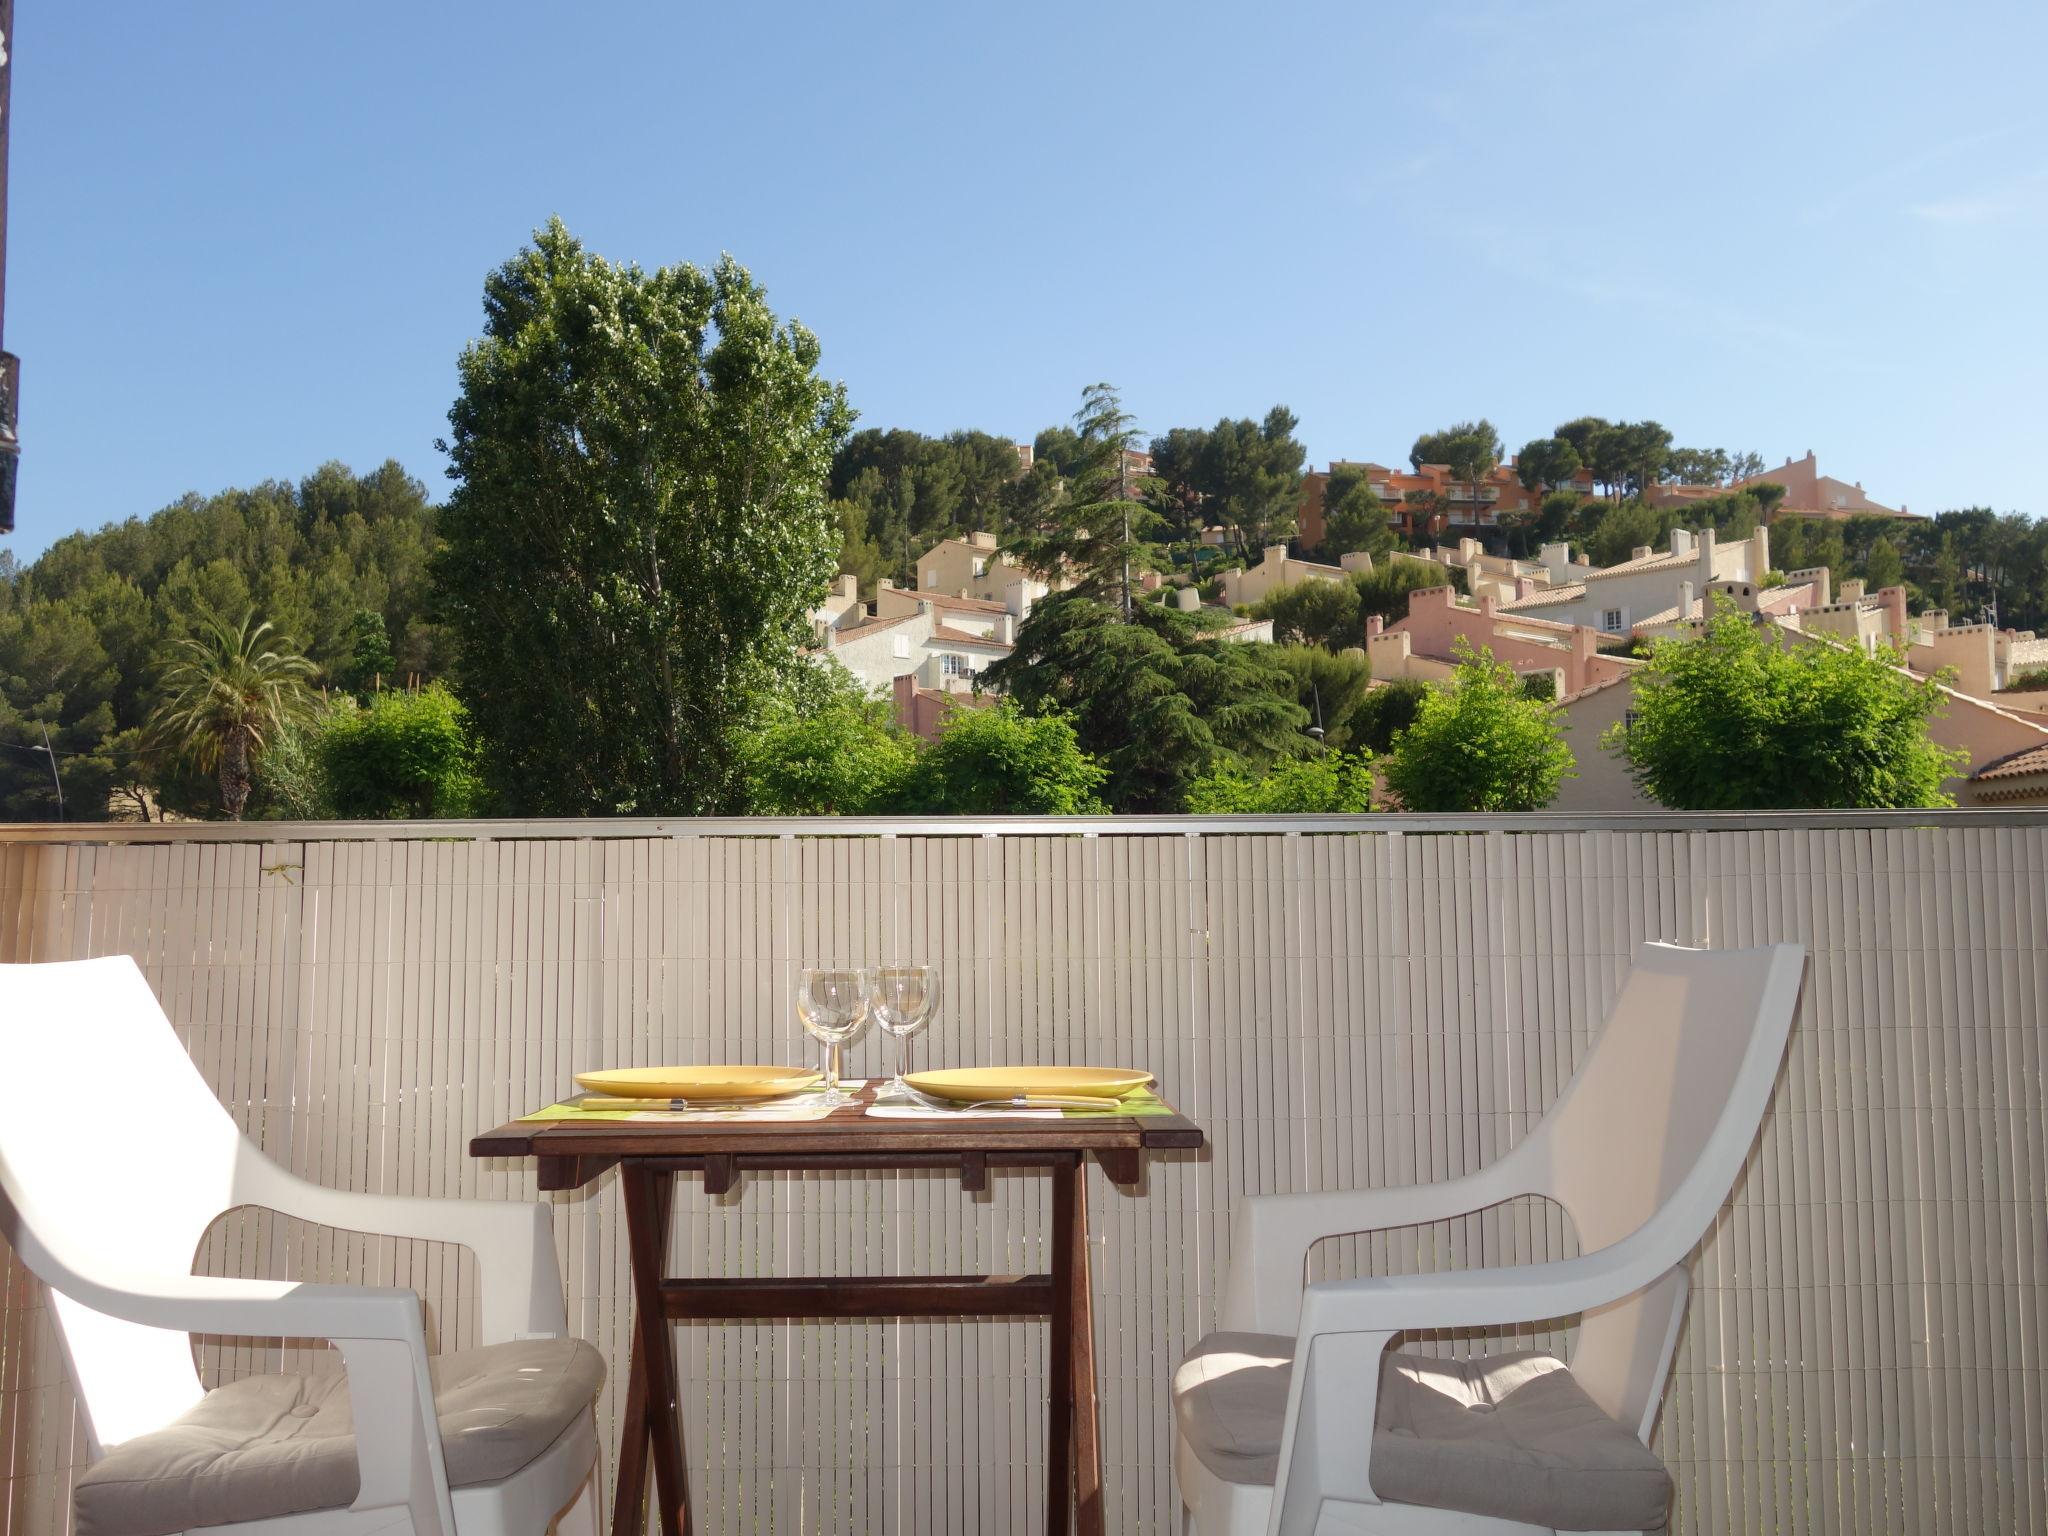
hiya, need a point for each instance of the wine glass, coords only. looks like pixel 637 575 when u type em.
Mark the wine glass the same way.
pixel 832 1002
pixel 903 999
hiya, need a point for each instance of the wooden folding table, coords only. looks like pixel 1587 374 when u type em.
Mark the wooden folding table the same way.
pixel 649 1155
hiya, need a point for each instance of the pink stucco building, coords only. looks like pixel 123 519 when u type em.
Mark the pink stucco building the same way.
pixel 1423 644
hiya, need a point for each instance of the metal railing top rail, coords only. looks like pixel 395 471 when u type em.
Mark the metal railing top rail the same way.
pixel 516 829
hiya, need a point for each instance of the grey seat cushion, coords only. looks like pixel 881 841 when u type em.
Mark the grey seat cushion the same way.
pixel 1508 1435
pixel 279 1445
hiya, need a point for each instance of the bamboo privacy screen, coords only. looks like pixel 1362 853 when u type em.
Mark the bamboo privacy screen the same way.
pixel 1864 1350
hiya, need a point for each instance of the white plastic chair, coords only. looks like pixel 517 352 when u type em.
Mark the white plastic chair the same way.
pixel 1640 1149
pixel 115 1158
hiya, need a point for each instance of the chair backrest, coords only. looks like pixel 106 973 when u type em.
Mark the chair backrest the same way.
pixel 116 1155
pixel 1657 1122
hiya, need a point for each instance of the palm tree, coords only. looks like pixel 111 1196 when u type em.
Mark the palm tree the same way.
pixel 228 691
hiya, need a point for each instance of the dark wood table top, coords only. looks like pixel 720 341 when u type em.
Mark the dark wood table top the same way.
pixel 574 1153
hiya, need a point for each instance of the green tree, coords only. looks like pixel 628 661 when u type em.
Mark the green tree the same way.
pixel 1882 567
pixel 638 529
pixel 1471 449
pixel 291 781
pixel 1093 534
pixel 227 693
pixel 1545 463
pixel 55 678
pixel 1250 477
pixel 1580 432
pixel 1626 527
pixel 407 755
pixel 1384 589
pixel 369 652
pixel 1353 517
pixel 1697 466
pixel 911 490
pixel 1313 612
pixel 859 555
pixel 1157 699
pixel 1739 719
pixel 1329 686
pixel 1000 761
pixel 1384 713
pixel 846 759
pixel 1479 745
pixel 1945 584
pixel 1329 783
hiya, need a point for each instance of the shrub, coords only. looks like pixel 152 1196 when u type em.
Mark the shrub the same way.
pixel 1327 784
pixel 406 755
pixel 1479 745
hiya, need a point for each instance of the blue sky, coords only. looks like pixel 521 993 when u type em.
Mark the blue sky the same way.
pixel 250 237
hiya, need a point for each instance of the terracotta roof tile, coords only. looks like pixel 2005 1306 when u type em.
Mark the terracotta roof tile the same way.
pixel 2016 764
pixel 839 636
pixel 954 636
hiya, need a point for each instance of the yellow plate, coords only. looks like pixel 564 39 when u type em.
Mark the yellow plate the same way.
pixel 696 1082
pixel 968 1084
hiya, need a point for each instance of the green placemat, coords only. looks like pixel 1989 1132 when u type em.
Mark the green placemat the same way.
pixel 1141 1102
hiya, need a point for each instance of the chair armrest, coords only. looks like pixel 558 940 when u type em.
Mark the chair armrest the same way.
pixel 378 1329
pixel 513 1240
pixel 1272 1234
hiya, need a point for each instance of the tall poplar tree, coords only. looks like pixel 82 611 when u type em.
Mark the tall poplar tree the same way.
pixel 638 530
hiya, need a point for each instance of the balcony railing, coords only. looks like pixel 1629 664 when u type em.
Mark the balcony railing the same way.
pixel 1344 1001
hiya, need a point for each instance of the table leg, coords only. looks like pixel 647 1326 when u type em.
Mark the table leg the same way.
pixel 650 1199
pixel 1059 1417
pixel 1088 1510
pixel 629 1494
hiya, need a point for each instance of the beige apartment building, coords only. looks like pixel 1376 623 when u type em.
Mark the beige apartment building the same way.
pixel 974 567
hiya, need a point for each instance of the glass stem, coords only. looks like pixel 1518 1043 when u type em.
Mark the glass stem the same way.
pixel 832 1067
pixel 902 1057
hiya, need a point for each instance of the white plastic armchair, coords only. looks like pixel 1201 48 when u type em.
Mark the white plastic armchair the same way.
pixel 1640 1149
pixel 115 1158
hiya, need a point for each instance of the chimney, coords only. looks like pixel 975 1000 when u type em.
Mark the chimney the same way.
pixel 1468 551
pixel 1640 552
pixel 1555 558
pixel 1759 552
pixel 847 586
pixel 1706 547
pixel 1894 600
pixel 885 584
pixel 1487 605
pixel 1187 599
pixel 1374 624
pixel 1524 585
pixel 1684 600
pixel 1852 588
pixel 982 540
pixel 1681 542
pixel 1585 645
pixel 1357 560
pixel 1275 555
pixel 1006 628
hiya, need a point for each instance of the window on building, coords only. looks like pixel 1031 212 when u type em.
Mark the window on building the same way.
pixel 1628 719
pixel 980 566
pixel 931 576
pixel 954 666
pixel 1611 621
pixel 903 647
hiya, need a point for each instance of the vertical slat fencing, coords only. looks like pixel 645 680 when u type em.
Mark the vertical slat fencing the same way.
pixel 1867 1343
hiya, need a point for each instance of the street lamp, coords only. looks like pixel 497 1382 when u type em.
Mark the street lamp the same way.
pixel 51 754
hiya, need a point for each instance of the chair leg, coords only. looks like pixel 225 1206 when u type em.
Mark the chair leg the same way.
pixel 580 1518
